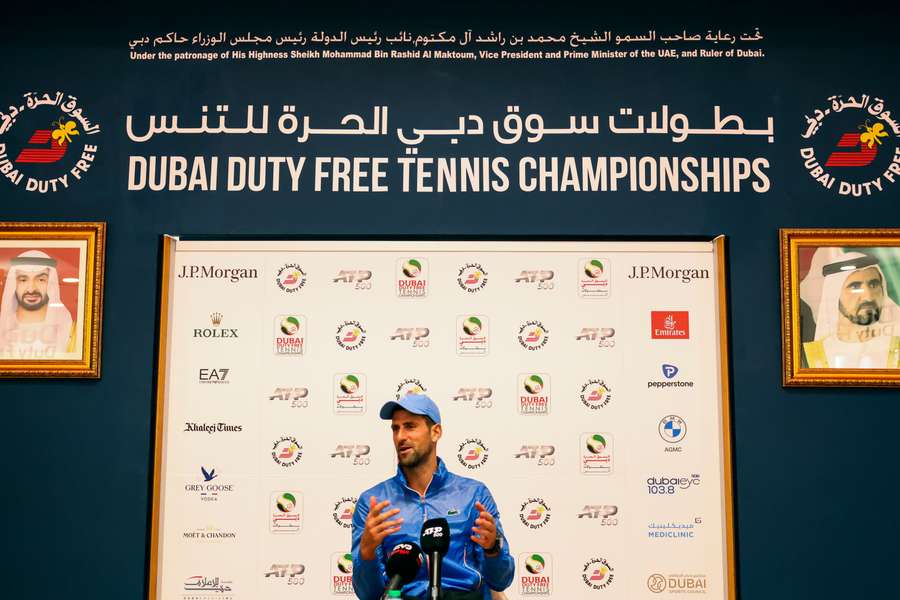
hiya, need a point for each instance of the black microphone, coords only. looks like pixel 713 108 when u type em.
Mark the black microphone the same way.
pixel 402 565
pixel 435 543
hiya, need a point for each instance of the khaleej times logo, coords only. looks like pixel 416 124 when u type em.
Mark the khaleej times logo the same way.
pixel 536 574
pixel 358 279
pixel 851 145
pixel 342 574
pixel 48 136
pixel 289 333
pixel 541 279
pixel 677 583
pixel 412 278
pixel 349 393
pixel 350 335
pixel 292 397
pixel 286 573
pixel 597 573
pixel 343 512
pixel 596 394
pixel 472 335
pixel 472 453
pixel 534 394
pixel 477 397
pixel 290 278
pixel 533 335
pixel 534 513
pixel 285 512
pixel 287 451
pixel 594 278
pixel 472 278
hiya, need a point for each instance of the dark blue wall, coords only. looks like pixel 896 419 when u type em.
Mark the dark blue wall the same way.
pixel 814 469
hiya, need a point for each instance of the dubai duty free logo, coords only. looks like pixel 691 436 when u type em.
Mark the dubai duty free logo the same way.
pixel 851 146
pixel 43 142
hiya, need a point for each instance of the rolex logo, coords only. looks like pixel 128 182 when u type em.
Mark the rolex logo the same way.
pixel 216 319
pixel 215 331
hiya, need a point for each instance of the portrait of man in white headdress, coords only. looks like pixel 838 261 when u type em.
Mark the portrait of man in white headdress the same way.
pixel 34 323
pixel 855 319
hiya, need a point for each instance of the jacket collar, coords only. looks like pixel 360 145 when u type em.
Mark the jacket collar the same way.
pixel 437 482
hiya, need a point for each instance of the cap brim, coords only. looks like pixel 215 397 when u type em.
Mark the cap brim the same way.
pixel 387 411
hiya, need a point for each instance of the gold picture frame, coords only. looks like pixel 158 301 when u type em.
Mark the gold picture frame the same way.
pixel 840 307
pixel 51 299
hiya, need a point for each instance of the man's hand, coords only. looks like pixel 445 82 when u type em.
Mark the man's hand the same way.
pixel 485 529
pixel 377 527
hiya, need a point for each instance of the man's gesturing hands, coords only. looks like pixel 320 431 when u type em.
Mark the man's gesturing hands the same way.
pixel 485 529
pixel 378 527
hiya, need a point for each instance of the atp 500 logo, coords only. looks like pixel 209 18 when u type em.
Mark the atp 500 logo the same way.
pixel 46 134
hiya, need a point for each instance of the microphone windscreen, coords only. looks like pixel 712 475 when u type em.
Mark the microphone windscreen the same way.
pixel 404 560
pixel 435 536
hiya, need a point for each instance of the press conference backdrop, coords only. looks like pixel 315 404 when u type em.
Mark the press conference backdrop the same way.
pixel 581 381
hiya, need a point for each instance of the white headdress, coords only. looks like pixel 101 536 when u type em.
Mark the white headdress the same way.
pixel 32 261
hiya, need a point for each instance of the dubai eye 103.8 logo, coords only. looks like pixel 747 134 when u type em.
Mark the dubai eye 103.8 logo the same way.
pixel 43 142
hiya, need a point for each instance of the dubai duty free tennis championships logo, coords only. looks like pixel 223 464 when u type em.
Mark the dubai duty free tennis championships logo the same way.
pixel 43 145
pixel 851 146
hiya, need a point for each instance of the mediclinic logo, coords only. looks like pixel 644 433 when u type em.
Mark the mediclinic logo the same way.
pixel 412 278
pixel 290 334
pixel 285 512
pixel 534 393
pixel 290 278
pixel 594 278
pixel 472 278
pixel 349 393
pixel 472 335
pixel 342 574
pixel 535 574
pixel 596 453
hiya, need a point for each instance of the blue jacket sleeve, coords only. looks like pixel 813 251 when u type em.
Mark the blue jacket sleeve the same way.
pixel 498 570
pixel 369 579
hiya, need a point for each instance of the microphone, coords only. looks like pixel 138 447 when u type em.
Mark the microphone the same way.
pixel 435 543
pixel 402 565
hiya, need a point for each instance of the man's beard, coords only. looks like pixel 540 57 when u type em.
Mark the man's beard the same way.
pixel 412 459
pixel 866 313
pixel 36 306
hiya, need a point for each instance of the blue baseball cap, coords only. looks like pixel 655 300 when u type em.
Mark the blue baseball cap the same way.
pixel 417 404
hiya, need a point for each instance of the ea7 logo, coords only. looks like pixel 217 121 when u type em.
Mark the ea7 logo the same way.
pixel 434 532
pixel 350 450
pixel 535 452
pixel 214 375
pixel 470 394
pixel 861 157
pixel 598 511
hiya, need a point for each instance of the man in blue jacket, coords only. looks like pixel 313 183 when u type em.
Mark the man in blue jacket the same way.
pixel 393 511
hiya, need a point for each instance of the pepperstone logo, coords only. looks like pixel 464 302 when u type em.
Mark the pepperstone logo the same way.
pixel 472 453
pixel 533 335
pixel 858 141
pixel 342 574
pixel 669 325
pixel 541 279
pixel 343 512
pixel 49 142
pixel 412 278
pixel 472 278
pixel 232 274
pixel 209 490
pixel 360 279
pixel 596 394
pixel 596 453
pixel 350 335
pixel 534 394
pixel 290 278
pixel 606 514
pixel 286 512
pixel 202 586
pixel 534 513
pixel 670 372
pixel 472 335
pixel 417 336
pixel 409 386
pixel 597 573
pixel 292 397
pixel 212 428
pixel 286 451
pixel 602 335
pixel 290 334
pixel 209 534
pixel 355 454
pixel 673 530
pixel 219 376
pixel 215 332
pixel 685 275
pixel 536 570
pixel 290 574
pixel 595 277
pixel 479 397
pixel 543 455
pixel 678 583
pixel 672 429
pixel 349 393
pixel 665 485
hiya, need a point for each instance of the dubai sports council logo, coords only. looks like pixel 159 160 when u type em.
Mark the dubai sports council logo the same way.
pixel 594 280
pixel 412 278
pixel 851 145
pixel 44 142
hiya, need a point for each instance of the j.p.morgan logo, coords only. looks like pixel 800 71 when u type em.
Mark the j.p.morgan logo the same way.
pixel 534 513
pixel 472 278
pixel 216 331
pixel 290 278
pixel 472 453
pixel 684 275
pixel 47 134
pixel 597 573
pixel 536 574
pixel 677 583
pixel 851 145
pixel 232 274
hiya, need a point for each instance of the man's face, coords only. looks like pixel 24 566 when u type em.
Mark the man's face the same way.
pixel 414 440
pixel 862 296
pixel 31 289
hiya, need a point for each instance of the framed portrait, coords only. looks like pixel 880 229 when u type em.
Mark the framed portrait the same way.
pixel 840 303
pixel 51 299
